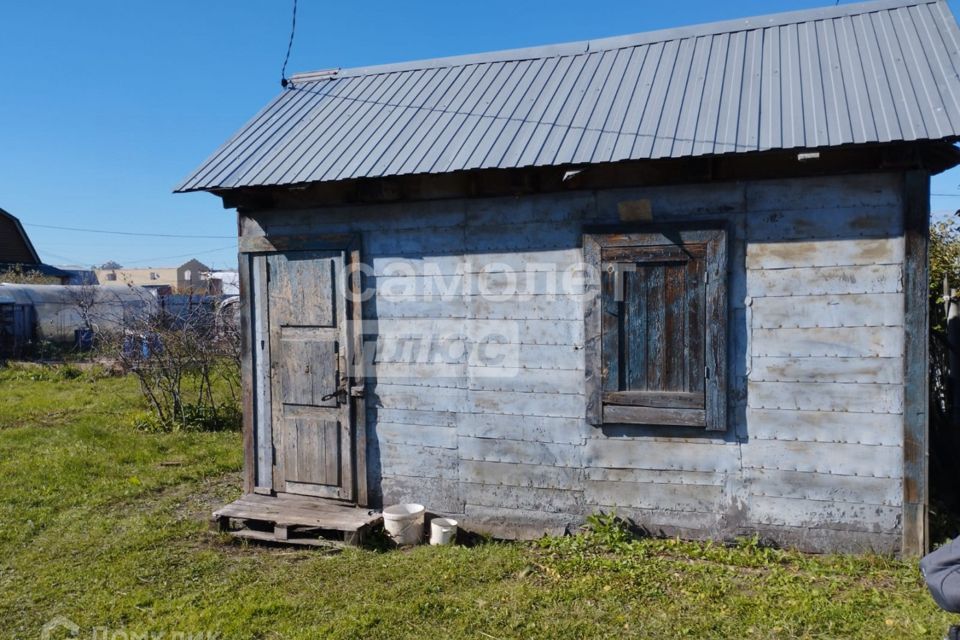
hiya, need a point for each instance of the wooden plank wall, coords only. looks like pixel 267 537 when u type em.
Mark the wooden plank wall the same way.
pixel 814 453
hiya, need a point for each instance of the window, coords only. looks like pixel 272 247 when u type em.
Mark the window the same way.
pixel 112 277
pixel 187 275
pixel 154 275
pixel 656 328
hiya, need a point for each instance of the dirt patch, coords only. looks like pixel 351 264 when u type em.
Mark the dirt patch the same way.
pixel 198 500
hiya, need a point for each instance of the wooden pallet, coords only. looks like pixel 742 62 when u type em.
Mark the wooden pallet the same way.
pixel 291 519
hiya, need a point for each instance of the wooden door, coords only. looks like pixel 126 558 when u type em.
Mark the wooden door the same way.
pixel 312 431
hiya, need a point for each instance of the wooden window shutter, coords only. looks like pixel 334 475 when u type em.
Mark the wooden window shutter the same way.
pixel 656 328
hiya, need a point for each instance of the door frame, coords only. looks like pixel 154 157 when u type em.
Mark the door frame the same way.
pixel 255 355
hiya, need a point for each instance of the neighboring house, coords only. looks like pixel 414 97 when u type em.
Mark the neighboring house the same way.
pixel 15 245
pixel 189 278
pixel 17 252
pixel 679 275
pixel 193 278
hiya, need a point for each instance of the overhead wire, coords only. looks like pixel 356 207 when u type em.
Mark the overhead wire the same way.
pixel 127 233
pixel 182 255
pixel 293 29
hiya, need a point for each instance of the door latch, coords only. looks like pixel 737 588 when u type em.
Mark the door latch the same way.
pixel 340 394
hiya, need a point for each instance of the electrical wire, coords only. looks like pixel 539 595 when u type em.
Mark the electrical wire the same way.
pixel 182 255
pixel 283 70
pixel 126 233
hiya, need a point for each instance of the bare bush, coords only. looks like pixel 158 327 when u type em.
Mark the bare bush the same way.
pixel 20 274
pixel 187 363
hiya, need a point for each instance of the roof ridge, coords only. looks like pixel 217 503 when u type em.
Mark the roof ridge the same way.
pixel 617 42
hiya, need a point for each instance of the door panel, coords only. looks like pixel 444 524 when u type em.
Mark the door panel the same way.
pixel 312 451
pixel 308 369
pixel 312 432
pixel 303 288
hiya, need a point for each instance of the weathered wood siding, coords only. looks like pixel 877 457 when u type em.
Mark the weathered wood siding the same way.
pixel 813 456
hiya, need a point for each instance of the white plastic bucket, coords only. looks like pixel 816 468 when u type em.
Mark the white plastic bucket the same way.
pixel 404 523
pixel 443 531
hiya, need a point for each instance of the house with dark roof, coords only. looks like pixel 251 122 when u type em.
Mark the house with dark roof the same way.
pixel 679 275
pixel 17 252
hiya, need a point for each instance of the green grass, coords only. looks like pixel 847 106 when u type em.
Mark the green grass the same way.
pixel 106 525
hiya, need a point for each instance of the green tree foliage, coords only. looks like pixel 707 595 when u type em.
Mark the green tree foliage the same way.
pixel 944 261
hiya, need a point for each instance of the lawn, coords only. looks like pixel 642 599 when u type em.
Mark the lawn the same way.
pixel 106 525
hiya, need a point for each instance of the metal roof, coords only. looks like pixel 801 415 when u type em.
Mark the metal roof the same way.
pixel 859 73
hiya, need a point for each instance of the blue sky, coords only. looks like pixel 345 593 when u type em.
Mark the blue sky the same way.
pixel 106 104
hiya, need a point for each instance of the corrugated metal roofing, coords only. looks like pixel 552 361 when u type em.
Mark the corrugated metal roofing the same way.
pixel 861 73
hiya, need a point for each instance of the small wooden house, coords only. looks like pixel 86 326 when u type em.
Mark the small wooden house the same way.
pixel 681 275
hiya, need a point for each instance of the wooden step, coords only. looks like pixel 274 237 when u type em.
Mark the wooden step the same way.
pixel 291 519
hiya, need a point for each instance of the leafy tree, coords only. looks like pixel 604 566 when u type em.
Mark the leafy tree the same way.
pixel 944 255
pixel 111 264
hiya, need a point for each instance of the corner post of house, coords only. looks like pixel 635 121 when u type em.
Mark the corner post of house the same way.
pixel 916 488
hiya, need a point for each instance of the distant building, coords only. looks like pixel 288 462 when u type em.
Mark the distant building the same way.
pixel 225 283
pixel 193 277
pixel 15 245
pixel 16 250
pixel 145 277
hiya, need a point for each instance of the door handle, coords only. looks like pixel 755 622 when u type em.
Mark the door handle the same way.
pixel 340 394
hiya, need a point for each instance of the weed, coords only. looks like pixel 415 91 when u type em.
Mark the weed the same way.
pixel 222 417
pixel 377 539
pixel 608 530
pixel 31 372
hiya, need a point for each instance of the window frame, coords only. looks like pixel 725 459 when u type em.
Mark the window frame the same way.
pixel 605 408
